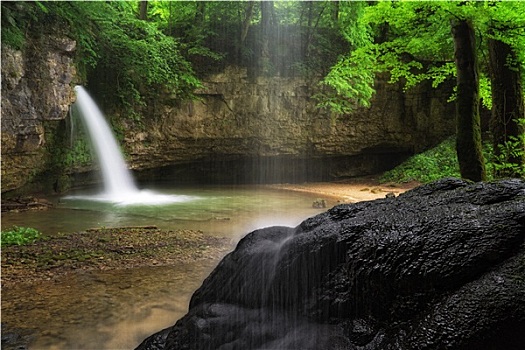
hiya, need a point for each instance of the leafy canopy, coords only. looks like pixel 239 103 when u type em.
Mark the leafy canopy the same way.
pixel 128 57
pixel 411 41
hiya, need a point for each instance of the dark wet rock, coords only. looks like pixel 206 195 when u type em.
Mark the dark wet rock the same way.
pixel 25 203
pixel 15 338
pixel 439 267
pixel 319 203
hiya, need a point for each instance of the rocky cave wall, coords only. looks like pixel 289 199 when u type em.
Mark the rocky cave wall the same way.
pixel 269 130
pixel 241 129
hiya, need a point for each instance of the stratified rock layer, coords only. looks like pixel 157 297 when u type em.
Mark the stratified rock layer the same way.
pixel 36 94
pixel 439 267
pixel 269 129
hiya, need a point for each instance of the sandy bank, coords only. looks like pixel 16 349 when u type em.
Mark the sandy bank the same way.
pixel 349 190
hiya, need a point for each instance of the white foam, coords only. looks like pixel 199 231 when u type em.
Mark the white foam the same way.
pixel 143 197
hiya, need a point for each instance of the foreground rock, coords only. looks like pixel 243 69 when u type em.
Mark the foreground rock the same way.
pixel 439 267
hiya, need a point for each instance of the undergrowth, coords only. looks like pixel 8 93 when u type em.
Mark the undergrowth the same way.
pixel 433 164
pixel 19 235
pixel 441 161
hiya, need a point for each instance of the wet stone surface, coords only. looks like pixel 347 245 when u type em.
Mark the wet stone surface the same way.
pixel 438 267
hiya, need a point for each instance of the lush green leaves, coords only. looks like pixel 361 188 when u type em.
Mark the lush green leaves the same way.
pixel 139 58
pixel 433 164
pixel 412 42
pixel 19 235
pixel 125 57
pixel 501 164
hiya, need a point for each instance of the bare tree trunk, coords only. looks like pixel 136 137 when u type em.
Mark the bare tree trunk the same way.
pixel 143 10
pixel 248 14
pixel 468 137
pixel 507 101
pixel 335 11
pixel 266 14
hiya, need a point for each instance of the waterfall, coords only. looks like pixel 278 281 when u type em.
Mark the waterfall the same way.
pixel 117 178
pixel 119 185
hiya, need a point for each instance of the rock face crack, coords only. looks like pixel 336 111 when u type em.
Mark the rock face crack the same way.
pixel 439 267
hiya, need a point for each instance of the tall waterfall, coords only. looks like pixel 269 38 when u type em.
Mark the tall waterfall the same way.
pixel 119 186
pixel 117 178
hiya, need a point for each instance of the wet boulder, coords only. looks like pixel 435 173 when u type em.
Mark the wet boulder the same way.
pixel 438 267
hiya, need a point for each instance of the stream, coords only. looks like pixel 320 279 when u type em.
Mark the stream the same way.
pixel 117 309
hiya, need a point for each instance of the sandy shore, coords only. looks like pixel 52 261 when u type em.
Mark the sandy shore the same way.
pixel 349 190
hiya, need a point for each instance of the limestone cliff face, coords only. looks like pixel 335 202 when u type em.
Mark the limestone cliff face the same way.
pixel 36 93
pixel 240 124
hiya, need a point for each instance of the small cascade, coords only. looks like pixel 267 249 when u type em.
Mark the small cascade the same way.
pixel 119 185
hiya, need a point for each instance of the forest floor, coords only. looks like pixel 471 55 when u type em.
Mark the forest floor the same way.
pixel 129 247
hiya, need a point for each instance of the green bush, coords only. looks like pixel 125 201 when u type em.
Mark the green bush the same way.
pixel 433 164
pixel 19 236
pixel 506 161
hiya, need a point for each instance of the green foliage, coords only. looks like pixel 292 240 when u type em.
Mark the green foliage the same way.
pixel 433 164
pixel 503 163
pixel 19 236
pixel 16 18
pixel 441 161
pixel 348 84
pixel 134 59
pixel 138 58
pixel 127 58
pixel 77 155
pixel 412 42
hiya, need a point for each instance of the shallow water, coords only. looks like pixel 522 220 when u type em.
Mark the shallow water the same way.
pixel 118 309
pixel 230 211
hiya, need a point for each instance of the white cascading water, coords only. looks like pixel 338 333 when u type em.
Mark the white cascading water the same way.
pixel 119 186
pixel 116 176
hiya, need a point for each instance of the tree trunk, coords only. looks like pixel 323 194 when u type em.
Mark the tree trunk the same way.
pixel 335 11
pixel 266 15
pixel 248 14
pixel 468 137
pixel 143 10
pixel 507 101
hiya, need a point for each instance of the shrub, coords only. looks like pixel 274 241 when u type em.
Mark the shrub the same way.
pixel 433 164
pixel 509 160
pixel 19 236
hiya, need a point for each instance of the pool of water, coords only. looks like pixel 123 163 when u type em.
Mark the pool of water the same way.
pixel 225 210
pixel 118 309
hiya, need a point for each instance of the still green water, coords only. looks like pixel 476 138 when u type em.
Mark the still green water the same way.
pixel 118 309
pixel 224 210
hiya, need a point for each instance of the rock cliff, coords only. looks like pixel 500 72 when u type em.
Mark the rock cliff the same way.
pixel 439 267
pixel 242 129
pixel 269 129
pixel 36 94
